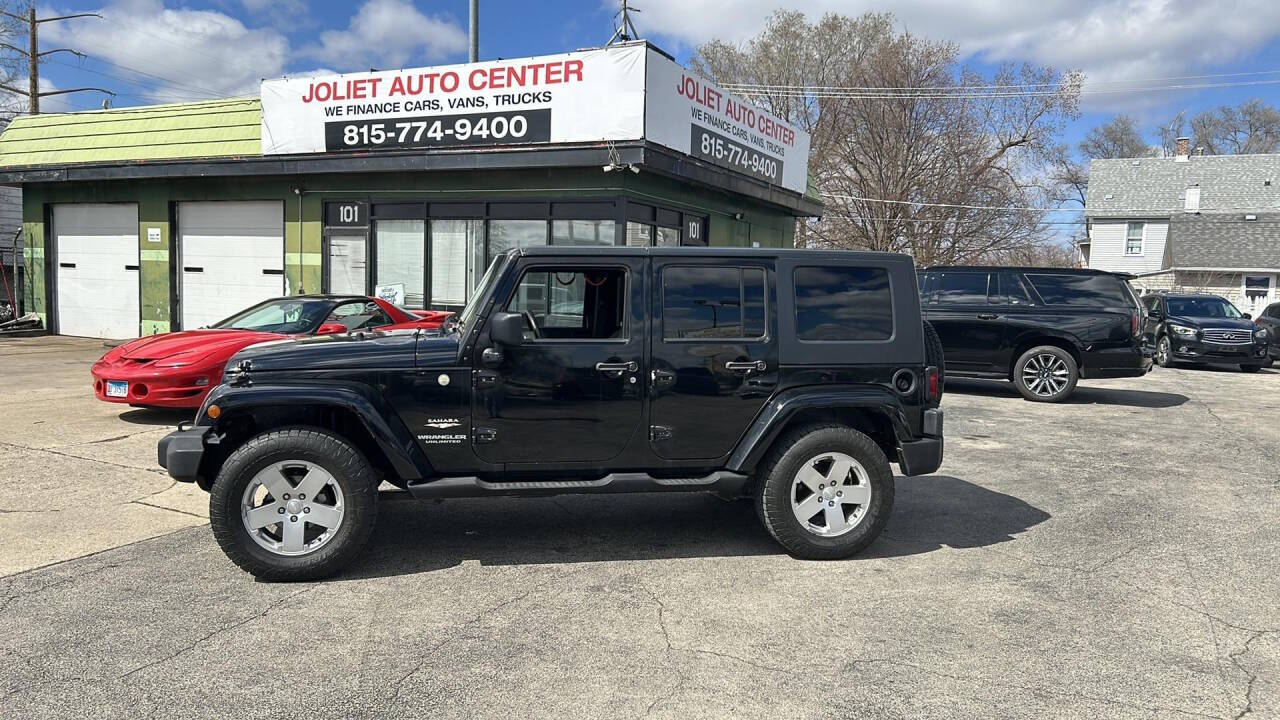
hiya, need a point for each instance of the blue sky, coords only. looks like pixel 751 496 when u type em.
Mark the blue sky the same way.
pixel 155 50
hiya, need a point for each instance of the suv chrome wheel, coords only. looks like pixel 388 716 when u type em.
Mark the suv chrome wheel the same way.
pixel 1163 352
pixel 292 508
pixel 1046 374
pixel 830 494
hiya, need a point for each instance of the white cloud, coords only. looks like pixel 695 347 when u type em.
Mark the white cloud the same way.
pixel 1110 40
pixel 389 34
pixel 199 53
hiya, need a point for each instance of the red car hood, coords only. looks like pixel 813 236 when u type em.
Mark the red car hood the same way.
pixel 157 347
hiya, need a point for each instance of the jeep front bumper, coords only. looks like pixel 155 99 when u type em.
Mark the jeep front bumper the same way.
pixel 180 452
pixel 923 456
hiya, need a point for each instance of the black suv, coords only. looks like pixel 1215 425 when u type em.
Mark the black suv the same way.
pixel 791 377
pixel 1042 328
pixel 1193 327
pixel 1269 320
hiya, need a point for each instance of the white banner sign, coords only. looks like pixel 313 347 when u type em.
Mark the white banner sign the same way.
pixel 687 113
pixel 610 94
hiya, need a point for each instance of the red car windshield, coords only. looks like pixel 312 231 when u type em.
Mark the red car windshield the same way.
pixel 287 316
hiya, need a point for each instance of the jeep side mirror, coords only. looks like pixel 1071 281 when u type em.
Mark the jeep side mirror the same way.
pixel 507 328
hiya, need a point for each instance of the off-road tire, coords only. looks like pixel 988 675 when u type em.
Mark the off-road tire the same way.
pixel 1250 368
pixel 349 468
pixel 1073 374
pixel 774 488
pixel 1164 352
pixel 934 355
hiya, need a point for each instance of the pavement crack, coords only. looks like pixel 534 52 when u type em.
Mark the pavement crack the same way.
pixel 161 507
pixel 48 586
pixel 115 438
pixel 59 453
pixel 225 628
pixel 457 632
pixel 1251 675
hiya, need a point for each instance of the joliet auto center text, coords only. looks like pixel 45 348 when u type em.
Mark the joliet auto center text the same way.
pixel 402 183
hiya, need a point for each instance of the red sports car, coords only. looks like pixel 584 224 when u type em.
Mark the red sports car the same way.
pixel 176 370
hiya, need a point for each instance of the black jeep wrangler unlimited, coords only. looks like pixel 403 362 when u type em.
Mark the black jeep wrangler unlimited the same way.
pixel 790 377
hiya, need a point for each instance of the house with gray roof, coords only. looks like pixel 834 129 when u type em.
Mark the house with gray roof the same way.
pixel 1188 223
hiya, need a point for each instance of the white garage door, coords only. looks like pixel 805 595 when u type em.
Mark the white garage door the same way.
pixel 97 272
pixel 232 257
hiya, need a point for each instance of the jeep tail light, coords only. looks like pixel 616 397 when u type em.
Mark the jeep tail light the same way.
pixel 932 383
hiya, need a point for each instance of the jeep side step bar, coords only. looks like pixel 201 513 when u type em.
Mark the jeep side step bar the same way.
pixel 721 482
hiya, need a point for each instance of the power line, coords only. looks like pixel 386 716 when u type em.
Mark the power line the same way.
pixel 977 87
pixel 801 92
pixel 189 94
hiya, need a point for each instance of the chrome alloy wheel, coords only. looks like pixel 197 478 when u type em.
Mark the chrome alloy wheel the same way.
pixel 1162 352
pixel 292 508
pixel 1045 374
pixel 830 494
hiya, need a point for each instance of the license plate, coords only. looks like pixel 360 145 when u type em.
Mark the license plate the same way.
pixel 117 388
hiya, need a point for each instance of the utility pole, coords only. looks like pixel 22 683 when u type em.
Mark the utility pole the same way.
pixel 475 31
pixel 33 58
pixel 626 29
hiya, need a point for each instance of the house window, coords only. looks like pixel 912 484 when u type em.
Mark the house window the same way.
pixel 1133 238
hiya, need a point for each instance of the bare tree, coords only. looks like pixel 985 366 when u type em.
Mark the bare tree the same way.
pixel 1251 127
pixel 13 66
pixel 1117 138
pixel 948 171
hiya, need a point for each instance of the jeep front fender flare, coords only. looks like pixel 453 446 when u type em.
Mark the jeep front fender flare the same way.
pixel 381 422
pixel 771 421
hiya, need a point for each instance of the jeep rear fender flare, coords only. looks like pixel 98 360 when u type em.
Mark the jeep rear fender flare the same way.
pixel 382 422
pixel 775 416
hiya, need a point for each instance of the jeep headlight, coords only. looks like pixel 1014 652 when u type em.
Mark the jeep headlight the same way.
pixel 1182 330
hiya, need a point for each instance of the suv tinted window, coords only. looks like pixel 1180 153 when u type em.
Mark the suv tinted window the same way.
pixel 572 303
pixel 712 303
pixel 954 288
pixel 1012 290
pixel 843 303
pixel 1080 290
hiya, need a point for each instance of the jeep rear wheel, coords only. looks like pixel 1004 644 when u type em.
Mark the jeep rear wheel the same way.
pixel 1046 374
pixel 293 504
pixel 826 492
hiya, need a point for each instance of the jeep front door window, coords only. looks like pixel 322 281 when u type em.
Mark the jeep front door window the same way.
pixel 570 392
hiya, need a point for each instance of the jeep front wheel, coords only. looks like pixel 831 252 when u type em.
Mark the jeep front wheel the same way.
pixel 826 492
pixel 293 504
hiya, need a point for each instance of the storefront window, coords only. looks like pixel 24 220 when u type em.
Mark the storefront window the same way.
pixel 347 265
pixel 400 257
pixel 583 232
pixel 505 235
pixel 667 237
pixel 639 235
pixel 453 254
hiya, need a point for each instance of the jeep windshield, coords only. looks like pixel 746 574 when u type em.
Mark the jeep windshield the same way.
pixel 1203 307
pixel 481 293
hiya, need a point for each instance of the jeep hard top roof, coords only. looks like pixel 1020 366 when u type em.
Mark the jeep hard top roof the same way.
pixel 607 251
pixel 1028 269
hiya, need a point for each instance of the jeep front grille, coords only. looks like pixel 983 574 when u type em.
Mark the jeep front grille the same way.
pixel 1228 336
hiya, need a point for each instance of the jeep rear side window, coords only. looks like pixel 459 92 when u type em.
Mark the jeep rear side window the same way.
pixel 1080 290
pixel 843 304
pixel 713 303
pixel 572 303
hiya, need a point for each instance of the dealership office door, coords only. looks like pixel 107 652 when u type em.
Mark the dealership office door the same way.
pixel 97 269
pixel 348 264
pixel 231 256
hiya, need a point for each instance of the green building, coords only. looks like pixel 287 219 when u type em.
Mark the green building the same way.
pixel 168 217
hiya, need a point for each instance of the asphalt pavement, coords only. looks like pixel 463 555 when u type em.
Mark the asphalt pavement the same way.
pixel 1116 556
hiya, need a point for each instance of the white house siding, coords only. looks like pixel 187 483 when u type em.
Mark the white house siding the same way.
pixel 1155 281
pixel 1107 240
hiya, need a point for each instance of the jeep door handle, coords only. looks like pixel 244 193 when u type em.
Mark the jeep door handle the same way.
pixel 758 365
pixel 988 316
pixel 618 366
